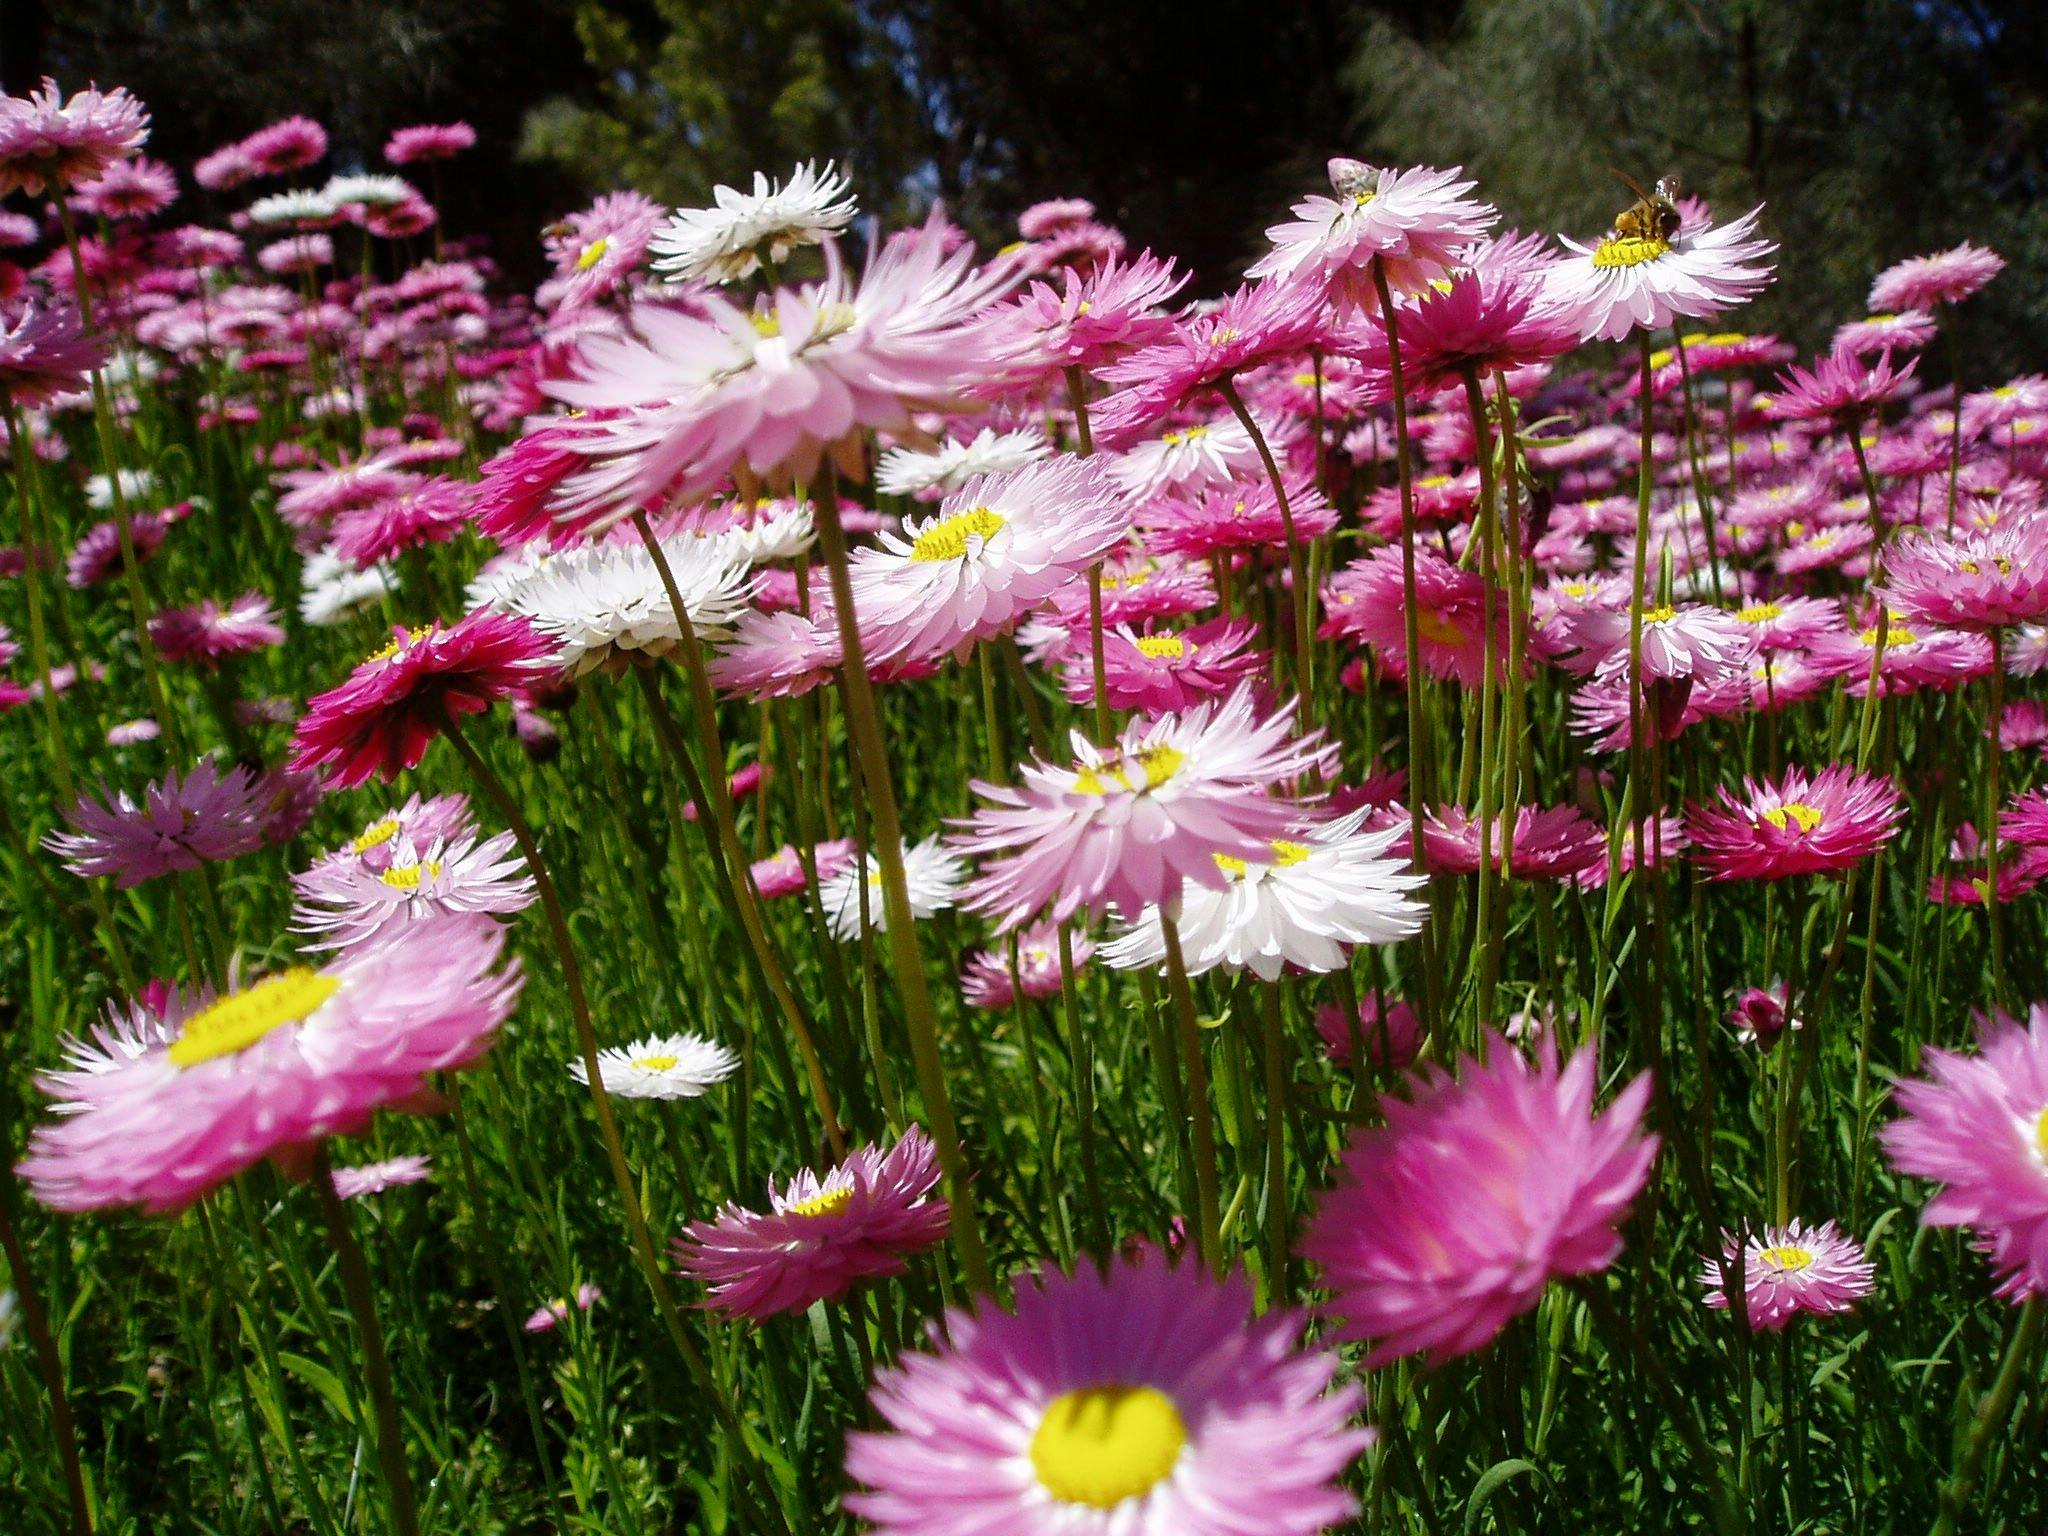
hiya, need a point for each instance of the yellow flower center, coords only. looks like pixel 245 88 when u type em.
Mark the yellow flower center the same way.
pixel 1786 1256
pixel 242 1018
pixel 765 323
pixel 1629 251
pixel 2005 391
pixel 1155 766
pixel 1898 634
pixel 1662 615
pixel 1286 855
pixel 1438 630
pixel 823 1204
pixel 1793 812
pixel 407 877
pixel 1230 865
pixel 592 254
pixel 654 1063
pixel 1163 647
pixel 1432 482
pixel 1759 613
pixel 2041 1134
pixel 1360 199
pixel 1102 1445
pixel 376 836
pixel 412 636
pixel 1184 435
pixel 947 539
pixel 2002 562
pixel 1223 335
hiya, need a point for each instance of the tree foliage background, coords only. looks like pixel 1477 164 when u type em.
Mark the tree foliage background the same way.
pixel 1875 128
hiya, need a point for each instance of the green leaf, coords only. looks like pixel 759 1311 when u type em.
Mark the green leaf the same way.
pixel 320 1379
pixel 1490 1483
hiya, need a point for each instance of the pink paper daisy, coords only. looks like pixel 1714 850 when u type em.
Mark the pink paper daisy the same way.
pixel 1478 321
pixel 1906 332
pixel 45 353
pixel 1627 283
pixel 1126 825
pixel 156 1112
pixel 431 511
pixel 994 550
pixel 429 141
pixel 1451 1218
pixel 97 554
pixel 381 721
pixel 181 823
pixel 1986 580
pixel 1161 670
pixel 782 874
pixel 1793 1269
pixel 1366 601
pixel 1224 518
pixel 1143 1399
pixel 1914 657
pixel 1413 222
pixel 1550 843
pixel 866 1218
pixel 1762 1015
pixel 1083 321
pixel 347 901
pixel 128 189
pixel 1978 1125
pixel 1800 825
pixel 289 144
pixel 376 1178
pixel 550 1317
pixel 1839 390
pixel 1389 1047
pixel 206 633
pixel 1251 325
pixel 597 251
pixel 1947 277
pixel 985 979
pixel 49 144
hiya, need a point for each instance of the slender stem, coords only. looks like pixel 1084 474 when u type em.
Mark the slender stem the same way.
pixel 1077 396
pixel 864 726
pixel 1277 1289
pixel 49 1364
pixel 1303 603
pixel 1200 1114
pixel 1420 785
pixel 362 1304
pixel 1486 957
pixel 1993 927
pixel 1993 1409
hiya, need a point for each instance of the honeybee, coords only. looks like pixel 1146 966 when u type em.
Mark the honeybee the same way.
pixel 1653 215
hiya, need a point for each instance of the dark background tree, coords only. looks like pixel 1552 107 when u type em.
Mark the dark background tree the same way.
pixel 1874 128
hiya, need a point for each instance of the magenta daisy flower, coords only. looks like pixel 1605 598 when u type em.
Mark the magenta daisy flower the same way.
pixel 1800 825
pixel 49 144
pixel 1905 332
pixel 1914 658
pixel 550 1317
pixel 1085 320
pixel 128 189
pixel 429 141
pixel 45 353
pixel 349 900
pixel 1253 324
pixel 985 979
pixel 1450 1219
pixel 181 823
pixel 1389 1047
pixel 1839 390
pixel 1793 1269
pixel 97 554
pixel 598 250
pixel 381 721
pixel 866 1218
pixel 206 632
pixel 1632 282
pixel 155 1112
pixel 1947 277
pixel 1762 1015
pixel 994 550
pixel 289 144
pixel 375 1178
pixel 1222 518
pixel 1985 580
pixel 1144 1399
pixel 1163 670
pixel 1414 223
pixel 1550 843
pixel 430 511
pixel 1978 1125
pixel 782 874
pixel 688 398
pixel 2026 819
pixel 1484 320
pixel 1127 824
pixel 1366 601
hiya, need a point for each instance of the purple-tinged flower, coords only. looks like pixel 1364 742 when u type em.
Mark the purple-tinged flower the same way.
pixel 181 823
pixel 49 144
pixel 1792 1269
pixel 375 1178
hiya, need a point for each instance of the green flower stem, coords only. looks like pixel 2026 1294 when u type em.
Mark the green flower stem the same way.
pixel 1200 1115
pixel 1994 1408
pixel 1303 602
pixel 865 728
pixel 35 1320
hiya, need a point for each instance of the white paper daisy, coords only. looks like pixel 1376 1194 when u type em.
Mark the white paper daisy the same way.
pixel 661 1067
pixel 725 242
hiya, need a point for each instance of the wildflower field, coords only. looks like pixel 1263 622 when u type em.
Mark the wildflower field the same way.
pixel 822 880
